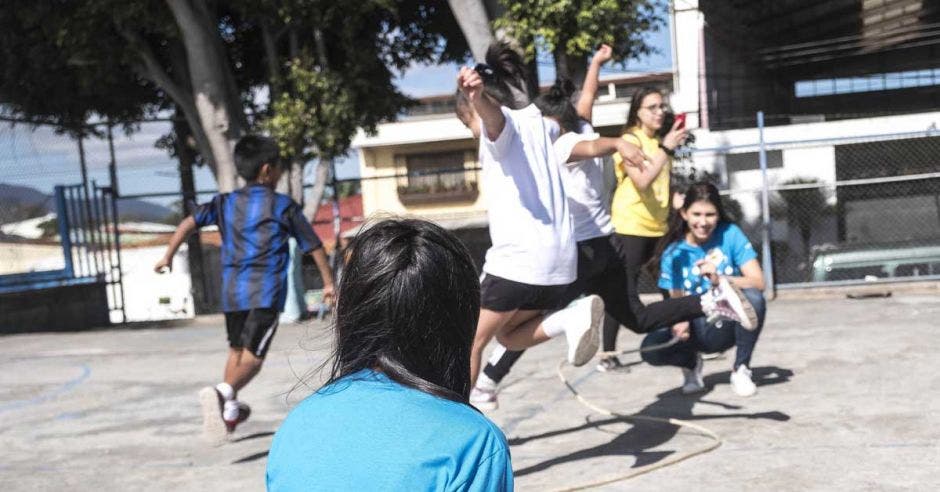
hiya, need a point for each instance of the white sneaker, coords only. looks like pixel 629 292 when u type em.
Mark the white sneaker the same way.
pixel 585 317
pixel 727 301
pixel 693 377
pixel 741 382
pixel 214 430
pixel 484 398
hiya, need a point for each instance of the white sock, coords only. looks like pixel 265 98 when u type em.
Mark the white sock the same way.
pixel 485 383
pixel 497 353
pixel 230 411
pixel 226 390
pixel 555 322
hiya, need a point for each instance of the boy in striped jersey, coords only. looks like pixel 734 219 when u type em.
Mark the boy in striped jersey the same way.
pixel 255 224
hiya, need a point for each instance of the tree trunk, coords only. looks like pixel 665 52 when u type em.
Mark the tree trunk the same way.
pixel 475 25
pixel 221 120
pixel 312 203
pixel 570 67
pixel 202 300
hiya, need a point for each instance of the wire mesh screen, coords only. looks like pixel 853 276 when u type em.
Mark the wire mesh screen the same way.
pixel 842 210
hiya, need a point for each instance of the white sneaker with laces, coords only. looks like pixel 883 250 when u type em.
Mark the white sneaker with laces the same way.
pixel 693 377
pixel 727 301
pixel 484 398
pixel 584 318
pixel 741 381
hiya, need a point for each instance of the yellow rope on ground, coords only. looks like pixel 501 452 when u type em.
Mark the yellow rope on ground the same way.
pixel 716 440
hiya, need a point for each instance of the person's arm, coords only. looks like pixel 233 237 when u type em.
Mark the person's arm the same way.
pixel 752 277
pixel 471 84
pixel 585 104
pixel 643 177
pixel 326 273
pixel 186 227
pixel 631 154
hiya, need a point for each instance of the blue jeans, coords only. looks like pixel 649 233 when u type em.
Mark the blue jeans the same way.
pixel 708 338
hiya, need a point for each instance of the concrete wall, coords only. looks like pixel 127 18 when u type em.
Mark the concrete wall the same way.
pixel 68 308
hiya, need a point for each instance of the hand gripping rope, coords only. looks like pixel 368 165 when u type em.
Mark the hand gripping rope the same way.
pixel 716 440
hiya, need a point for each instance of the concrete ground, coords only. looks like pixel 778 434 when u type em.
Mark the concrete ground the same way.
pixel 849 399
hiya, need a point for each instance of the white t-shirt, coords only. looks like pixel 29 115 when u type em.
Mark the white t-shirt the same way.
pixel 584 185
pixel 530 224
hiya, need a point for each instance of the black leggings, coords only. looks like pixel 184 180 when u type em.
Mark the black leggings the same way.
pixel 633 252
pixel 601 272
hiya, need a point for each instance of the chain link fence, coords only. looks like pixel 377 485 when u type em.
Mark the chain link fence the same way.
pixel 841 210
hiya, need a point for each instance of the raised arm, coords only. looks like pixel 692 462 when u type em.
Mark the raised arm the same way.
pixel 186 227
pixel 471 84
pixel 585 105
pixel 643 177
pixel 604 146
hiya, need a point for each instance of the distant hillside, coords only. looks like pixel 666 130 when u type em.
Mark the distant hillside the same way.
pixel 21 202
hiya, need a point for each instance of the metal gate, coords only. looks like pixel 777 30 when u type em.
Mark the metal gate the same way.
pixel 91 241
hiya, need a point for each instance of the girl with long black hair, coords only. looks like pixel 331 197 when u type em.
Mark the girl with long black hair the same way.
pixel 393 414
pixel 701 245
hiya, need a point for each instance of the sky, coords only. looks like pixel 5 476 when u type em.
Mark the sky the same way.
pixel 40 159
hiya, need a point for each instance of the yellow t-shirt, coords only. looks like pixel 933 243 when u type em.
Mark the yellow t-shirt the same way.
pixel 641 213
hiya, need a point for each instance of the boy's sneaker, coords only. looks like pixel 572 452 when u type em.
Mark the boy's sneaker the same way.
pixel 484 398
pixel 741 381
pixel 244 411
pixel 214 428
pixel 585 316
pixel 611 364
pixel 727 301
pixel 693 377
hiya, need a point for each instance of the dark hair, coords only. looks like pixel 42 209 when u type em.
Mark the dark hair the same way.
pixel 507 84
pixel 556 103
pixel 407 305
pixel 253 151
pixel 635 102
pixel 697 192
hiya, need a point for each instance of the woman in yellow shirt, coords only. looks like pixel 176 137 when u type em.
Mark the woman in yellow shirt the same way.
pixel 640 208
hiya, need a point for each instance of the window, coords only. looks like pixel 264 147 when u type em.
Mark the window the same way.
pixel 437 177
pixel 867 83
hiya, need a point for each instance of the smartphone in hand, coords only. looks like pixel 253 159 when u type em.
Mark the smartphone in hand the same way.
pixel 681 119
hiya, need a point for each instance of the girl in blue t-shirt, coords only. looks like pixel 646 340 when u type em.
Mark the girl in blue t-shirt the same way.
pixel 394 413
pixel 701 245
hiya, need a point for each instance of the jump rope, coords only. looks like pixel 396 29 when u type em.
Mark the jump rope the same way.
pixel 715 438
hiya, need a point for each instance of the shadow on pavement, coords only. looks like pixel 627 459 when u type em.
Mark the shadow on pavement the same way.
pixel 644 436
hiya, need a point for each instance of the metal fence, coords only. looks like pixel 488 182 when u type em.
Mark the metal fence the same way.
pixel 836 210
pixel 845 209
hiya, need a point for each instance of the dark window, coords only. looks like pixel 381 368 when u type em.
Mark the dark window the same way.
pixel 437 177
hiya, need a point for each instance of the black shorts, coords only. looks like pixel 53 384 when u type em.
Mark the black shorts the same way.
pixel 253 329
pixel 499 294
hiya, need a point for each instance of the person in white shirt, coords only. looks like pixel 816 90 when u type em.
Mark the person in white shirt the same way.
pixel 533 257
pixel 599 271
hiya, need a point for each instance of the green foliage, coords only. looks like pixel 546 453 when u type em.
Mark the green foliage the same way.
pixel 577 27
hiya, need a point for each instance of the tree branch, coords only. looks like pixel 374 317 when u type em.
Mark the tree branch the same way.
pixel 150 69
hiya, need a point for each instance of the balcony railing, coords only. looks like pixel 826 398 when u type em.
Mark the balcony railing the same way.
pixel 436 186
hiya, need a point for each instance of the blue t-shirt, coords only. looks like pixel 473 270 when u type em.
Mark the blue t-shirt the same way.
pixel 367 432
pixel 727 247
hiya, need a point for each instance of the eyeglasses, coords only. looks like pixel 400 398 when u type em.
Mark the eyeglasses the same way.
pixel 656 108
